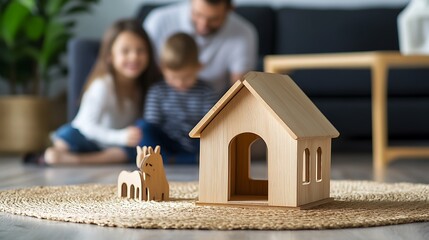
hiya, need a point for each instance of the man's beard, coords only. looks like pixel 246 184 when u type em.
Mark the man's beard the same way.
pixel 211 32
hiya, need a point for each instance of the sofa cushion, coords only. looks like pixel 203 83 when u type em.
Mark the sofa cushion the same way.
pixel 336 30
pixel 82 54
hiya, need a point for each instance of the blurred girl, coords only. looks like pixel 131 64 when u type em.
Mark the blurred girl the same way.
pixel 113 98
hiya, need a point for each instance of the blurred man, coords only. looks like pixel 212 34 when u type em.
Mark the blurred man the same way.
pixel 227 42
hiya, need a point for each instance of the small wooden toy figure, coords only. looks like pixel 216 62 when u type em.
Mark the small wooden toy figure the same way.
pixel 155 180
pixel 150 183
pixel 130 185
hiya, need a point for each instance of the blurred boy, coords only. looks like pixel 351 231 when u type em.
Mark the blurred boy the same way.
pixel 174 106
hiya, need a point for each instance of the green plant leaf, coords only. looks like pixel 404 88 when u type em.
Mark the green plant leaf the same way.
pixel 6 56
pixel 33 36
pixel 69 24
pixel 5 59
pixel 13 17
pixel 53 7
pixel 32 52
pixel 29 4
pixel 51 52
pixel 1 27
pixel 77 9
pixel 90 2
pixel 35 27
pixel 55 41
pixel 3 4
pixel 53 30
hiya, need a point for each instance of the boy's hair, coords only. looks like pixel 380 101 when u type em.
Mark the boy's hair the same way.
pixel 179 51
pixel 103 64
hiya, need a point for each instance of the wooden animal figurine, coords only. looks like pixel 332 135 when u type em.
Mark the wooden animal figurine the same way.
pixel 150 183
pixel 155 181
pixel 130 185
pixel 298 137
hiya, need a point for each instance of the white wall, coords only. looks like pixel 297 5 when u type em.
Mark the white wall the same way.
pixel 107 11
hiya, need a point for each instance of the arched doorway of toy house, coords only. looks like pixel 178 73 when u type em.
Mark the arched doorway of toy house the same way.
pixel 242 184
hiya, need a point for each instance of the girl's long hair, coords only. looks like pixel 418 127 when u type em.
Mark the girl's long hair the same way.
pixel 103 65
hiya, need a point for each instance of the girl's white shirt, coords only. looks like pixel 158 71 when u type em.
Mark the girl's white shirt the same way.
pixel 100 118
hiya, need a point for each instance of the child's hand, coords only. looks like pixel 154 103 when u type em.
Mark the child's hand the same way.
pixel 134 136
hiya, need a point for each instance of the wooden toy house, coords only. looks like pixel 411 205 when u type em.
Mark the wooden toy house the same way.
pixel 298 139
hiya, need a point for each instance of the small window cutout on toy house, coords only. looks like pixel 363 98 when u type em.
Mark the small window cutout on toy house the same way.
pixel 306 166
pixel 319 165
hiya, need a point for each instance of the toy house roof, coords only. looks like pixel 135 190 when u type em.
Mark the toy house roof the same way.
pixel 284 99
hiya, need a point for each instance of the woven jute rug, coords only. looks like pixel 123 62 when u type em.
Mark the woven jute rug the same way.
pixel 357 204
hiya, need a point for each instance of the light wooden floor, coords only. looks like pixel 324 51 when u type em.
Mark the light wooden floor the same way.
pixel 358 167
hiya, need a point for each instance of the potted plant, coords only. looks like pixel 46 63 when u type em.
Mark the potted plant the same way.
pixel 33 37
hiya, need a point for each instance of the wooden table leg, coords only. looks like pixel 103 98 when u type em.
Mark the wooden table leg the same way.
pixel 379 118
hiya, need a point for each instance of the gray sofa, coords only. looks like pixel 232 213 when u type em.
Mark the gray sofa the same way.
pixel 342 95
